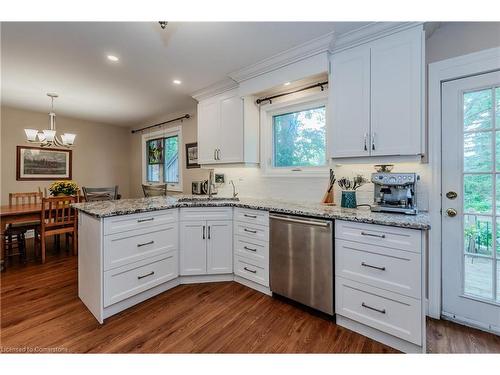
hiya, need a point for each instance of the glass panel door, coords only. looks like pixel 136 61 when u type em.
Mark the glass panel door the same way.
pixel 481 180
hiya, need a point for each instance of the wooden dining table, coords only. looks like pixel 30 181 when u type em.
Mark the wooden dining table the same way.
pixel 17 213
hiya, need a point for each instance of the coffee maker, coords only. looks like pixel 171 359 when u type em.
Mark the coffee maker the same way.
pixel 395 192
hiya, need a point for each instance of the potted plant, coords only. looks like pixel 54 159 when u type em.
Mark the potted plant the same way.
pixel 61 188
pixel 349 187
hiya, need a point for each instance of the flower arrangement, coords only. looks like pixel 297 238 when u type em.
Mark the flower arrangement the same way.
pixel 63 188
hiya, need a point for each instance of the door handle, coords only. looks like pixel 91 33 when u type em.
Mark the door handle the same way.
pixel 215 154
pixel 370 266
pixel 451 195
pixel 373 142
pixel 366 146
pixel 145 243
pixel 382 311
pixel 451 212
pixel 143 220
pixel 250 231
pixel 209 232
pixel 250 216
pixel 250 249
pixel 218 154
pixel 146 275
pixel 373 235
pixel 203 232
pixel 249 270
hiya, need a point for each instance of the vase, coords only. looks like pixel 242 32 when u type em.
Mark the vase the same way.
pixel 348 199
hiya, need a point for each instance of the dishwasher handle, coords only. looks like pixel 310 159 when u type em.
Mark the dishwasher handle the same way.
pixel 324 224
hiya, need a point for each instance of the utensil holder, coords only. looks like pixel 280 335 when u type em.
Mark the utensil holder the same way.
pixel 348 199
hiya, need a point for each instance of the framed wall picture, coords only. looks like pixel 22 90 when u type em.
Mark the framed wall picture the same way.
pixel 192 155
pixel 37 163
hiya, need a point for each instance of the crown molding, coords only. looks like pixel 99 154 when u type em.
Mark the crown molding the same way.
pixel 290 56
pixel 367 33
pixel 214 89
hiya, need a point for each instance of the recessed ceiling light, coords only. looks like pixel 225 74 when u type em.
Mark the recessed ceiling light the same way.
pixel 177 82
pixel 286 83
pixel 113 58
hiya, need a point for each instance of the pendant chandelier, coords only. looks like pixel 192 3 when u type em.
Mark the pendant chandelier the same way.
pixel 48 137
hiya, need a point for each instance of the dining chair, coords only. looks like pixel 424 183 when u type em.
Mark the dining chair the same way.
pixel 58 217
pixel 14 236
pixel 92 194
pixel 154 190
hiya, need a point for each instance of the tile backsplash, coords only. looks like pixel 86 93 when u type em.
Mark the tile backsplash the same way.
pixel 250 182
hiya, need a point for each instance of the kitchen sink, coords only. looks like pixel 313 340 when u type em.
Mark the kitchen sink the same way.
pixel 209 199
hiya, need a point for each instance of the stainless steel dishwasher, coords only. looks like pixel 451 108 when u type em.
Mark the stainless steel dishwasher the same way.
pixel 301 260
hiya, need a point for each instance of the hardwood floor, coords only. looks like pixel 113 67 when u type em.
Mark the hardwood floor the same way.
pixel 40 311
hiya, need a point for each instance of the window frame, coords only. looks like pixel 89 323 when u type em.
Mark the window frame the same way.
pixel 267 135
pixel 163 133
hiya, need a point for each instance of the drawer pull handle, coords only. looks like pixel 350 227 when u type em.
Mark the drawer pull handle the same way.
pixel 249 270
pixel 203 232
pixel 143 220
pixel 249 248
pixel 370 266
pixel 250 216
pixel 145 243
pixel 250 231
pixel 373 235
pixel 372 308
pixel 143 276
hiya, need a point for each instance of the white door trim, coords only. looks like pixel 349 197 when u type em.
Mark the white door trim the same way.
pixel 439 72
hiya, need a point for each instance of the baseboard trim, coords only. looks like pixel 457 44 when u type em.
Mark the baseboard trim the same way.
pixel 205 278
pixel 382 337
pixel 253 285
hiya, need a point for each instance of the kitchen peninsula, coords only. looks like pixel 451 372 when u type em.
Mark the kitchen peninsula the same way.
pixel 133 249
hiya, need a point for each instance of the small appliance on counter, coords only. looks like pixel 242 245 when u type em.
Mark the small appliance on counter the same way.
pixel 395 192
pixel 201 188
pixel 197 188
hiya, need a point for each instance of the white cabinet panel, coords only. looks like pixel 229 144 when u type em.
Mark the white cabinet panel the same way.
pixel 390 269
pixel 193 255
pixel 230 135
pixel 125 282
pixel 251 270
pixel 350 103
pixel 219 247
pixel 124 248
pixel 251 216
pixel 208 129
pixel 392 313
pixel 396 90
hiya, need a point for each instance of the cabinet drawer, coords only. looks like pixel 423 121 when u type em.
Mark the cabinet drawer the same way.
pixel 255 232
pixel 391 313
pixel 117 224
pixel 212 213
pixel 124 282
pixel 394 270
pixel 381 235
pixel 255 250
pixel 124 248
pixel 249 269
pixel 251 216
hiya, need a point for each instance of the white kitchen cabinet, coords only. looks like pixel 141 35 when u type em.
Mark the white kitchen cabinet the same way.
pixel 208 124
pixel 206 246
pixel 228 129
pixel 350 98
pixel 193 254
pixel 219 247
pixel 376 97
pixel 396 94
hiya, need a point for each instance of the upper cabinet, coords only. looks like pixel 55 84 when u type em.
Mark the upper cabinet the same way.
pixel 228 129
pixel 376 97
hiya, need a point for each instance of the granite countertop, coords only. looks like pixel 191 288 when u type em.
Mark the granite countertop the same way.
pixel 363 215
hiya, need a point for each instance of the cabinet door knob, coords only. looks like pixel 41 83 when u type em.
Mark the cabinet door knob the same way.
pixel 451 195
pixel 365 140
pixel 373 142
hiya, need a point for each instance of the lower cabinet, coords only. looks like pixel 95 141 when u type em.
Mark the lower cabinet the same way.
pixel 206 247
pixel 380 283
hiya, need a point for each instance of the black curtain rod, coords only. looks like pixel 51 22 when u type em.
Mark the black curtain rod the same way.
pixel 270 98
pixel 186 116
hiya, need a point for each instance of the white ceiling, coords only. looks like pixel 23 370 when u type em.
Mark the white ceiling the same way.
pixel 70 59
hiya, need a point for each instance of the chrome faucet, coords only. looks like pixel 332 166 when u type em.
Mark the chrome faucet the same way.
pixel 235 194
